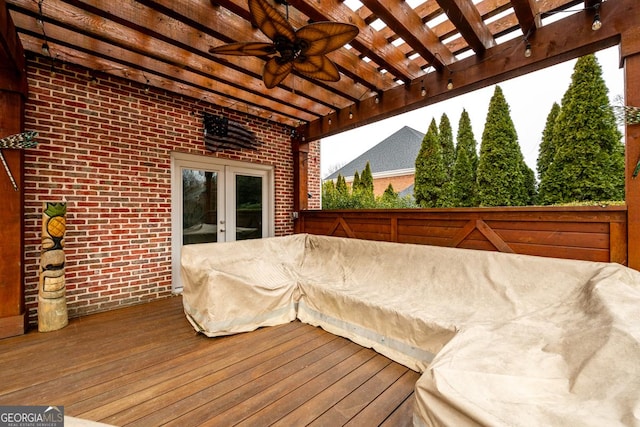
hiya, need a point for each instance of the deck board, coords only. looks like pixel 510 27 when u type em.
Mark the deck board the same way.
pixel 145 366
pixel 356 401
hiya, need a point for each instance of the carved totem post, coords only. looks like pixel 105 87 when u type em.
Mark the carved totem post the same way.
pixel 52 302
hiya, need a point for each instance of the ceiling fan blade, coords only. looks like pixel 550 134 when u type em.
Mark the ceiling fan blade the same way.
pixel 325 37
pixel 275 71
pixel 250 48
pixel 318 67
pixel 270 21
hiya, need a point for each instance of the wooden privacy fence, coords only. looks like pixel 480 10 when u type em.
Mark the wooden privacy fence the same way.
pixel 589 233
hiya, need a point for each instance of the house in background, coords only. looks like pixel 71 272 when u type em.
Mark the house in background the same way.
pixel 392 161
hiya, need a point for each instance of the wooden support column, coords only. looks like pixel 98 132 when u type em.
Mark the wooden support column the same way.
pixel 630 57
pixel 300 176
pixel 13 93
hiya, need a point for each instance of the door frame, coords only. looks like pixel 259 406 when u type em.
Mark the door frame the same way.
pixel 230 174
pixel 224 167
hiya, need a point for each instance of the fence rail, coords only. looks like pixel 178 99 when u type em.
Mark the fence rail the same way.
pixel 589 233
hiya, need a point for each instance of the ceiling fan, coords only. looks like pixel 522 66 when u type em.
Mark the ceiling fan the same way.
pixel 302 50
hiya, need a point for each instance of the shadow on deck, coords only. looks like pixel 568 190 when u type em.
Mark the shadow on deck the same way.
pixel 145 366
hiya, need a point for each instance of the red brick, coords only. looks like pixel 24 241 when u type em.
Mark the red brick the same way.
pixel 106 149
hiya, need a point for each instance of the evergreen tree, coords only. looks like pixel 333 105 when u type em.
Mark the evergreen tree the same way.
pixel 355 185
pixel 389 192
pixel 366 179
pixel 530 190
pixel 329 185
pixel 445 136
pixel 336 195
pixel 329 195
pixel 463 183
pixel 389 198
pixel 430 175
pixel 363 192
pixel 392 200
pixel 588 163
pixel 446 199
pixel 501 175
pixel 333 197
pixel 546 150
pixel 341 186
pixel 464 169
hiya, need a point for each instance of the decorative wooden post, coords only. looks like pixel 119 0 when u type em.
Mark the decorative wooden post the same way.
pixel 630 56
pixel 13 94
pixel 52 302
pixel 300 150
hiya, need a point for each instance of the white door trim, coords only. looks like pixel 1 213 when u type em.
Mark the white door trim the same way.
pixel 227 170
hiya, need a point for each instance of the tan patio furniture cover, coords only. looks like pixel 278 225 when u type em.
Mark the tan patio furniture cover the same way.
pixel 240 286
pixel 502 339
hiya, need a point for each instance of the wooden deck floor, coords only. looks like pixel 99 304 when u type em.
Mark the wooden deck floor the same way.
pixel 146 366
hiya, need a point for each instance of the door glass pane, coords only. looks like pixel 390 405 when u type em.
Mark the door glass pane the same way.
pixel 199 206
pixel 248 207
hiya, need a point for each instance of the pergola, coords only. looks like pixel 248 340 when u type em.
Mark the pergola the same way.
pixel 408 54
pixel 399 50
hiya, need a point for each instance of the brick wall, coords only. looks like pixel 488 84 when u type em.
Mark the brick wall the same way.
pixel 399 183
pixel 105 149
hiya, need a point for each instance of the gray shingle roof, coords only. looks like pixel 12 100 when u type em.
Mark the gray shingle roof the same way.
pixel 398 151
pixel 407 192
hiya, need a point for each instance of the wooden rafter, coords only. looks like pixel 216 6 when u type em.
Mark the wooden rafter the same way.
pixel 408 26
pixel 74 47
pixel 369 41
pixel 167 43
pixel 591 3
pixel 527 13
pixel 347 61
pixel 466 18
pixel 499 63
pixel 199 15
pixel 11 55
pixel 343 58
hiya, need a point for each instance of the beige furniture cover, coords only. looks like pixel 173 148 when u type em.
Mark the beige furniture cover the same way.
pixel 502 339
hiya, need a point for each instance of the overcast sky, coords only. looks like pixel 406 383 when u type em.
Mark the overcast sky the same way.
pixel 530 99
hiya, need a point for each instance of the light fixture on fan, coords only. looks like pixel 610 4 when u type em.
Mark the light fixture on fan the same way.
pixel 302 50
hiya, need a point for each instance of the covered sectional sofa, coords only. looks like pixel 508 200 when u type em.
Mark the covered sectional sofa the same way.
pixel 501 339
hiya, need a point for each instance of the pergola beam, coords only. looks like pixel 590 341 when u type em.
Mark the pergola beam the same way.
pixel 12 61
pixel 408 25
pixel 348 62
pixel 528 15
pixel 498 64
pixel 466 18
pixel 369 41
pixel 13 94
pixel 630 58
pixel 219 23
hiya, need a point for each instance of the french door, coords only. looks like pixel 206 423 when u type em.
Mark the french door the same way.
pixel 214 200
